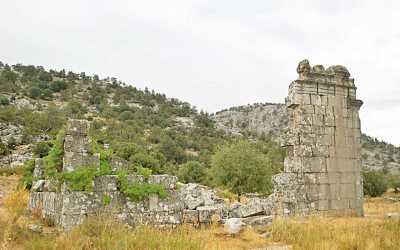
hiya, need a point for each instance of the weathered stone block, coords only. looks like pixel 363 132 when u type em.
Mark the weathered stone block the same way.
pixel 106 183
pixel 258 221
pixel 72 160
pixel 77 127
pixel 168 181
pixel 347 191
pixel 77 144
pixel 191 217
pixel 206 213
pixel 39 167
pixel 118 163
pixel 314 164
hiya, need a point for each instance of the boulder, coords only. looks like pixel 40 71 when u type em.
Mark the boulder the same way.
pixel 196 195
pixel 206 213
pixel 233 226
pixel 255 206
pixel 35 228
pixel 37 186
pixel 257 221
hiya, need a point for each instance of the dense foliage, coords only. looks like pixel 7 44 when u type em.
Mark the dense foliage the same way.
pixel 242 168
pixel 375 183
pixel 146 128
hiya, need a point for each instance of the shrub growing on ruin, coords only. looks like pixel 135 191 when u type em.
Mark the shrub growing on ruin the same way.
pixel 27 174
pixel 139 191
pixel 54 160
pixel 81 179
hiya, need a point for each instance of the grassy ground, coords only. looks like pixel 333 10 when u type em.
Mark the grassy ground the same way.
pixel 370 232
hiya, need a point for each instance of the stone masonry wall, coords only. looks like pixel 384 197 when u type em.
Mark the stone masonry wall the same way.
pixel 186 203
pixel 322 166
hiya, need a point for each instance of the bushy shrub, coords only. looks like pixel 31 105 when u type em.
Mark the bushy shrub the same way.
pixel 139 191
pixel 126 150
pixel 375 183
pixel 4 101
pixel 34 92
pixel 81 179
pixel 41 149
pixel 27 174
pixel 12 143
pixel 54 160
pixel 58 86
pixel 192 171
pixel 394 182
pixel 242 168
pixel 4 150
pixel 146 160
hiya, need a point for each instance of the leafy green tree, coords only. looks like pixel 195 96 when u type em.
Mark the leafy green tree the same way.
pixel 127 115
pixel 128 149
pixel 375 183
pixel 9 76
pixel 4 101
pixel 171 150
pixel 192 171
pixel 12 143
pixel 45 76
pixel 58 86
pixel 34 92
pixel 147 161
pixel 47 94
pixel 41 149
pixel 75 109
pixel 394 182
pixel 242 168
pixel 4 150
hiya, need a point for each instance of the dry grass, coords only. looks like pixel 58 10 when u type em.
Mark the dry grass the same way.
pixel 371 232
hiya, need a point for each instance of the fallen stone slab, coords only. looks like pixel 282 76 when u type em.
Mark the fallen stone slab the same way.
pixel 256 221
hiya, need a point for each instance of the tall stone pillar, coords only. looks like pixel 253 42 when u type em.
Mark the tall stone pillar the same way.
pixel 77 146
pixel 322 169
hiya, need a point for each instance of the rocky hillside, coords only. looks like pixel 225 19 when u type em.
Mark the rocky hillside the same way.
pixel 143 127
pixel 270 119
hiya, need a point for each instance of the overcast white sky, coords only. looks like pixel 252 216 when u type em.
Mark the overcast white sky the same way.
pixel 216 54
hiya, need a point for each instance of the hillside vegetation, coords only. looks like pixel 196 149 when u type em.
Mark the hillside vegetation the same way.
pixel 148 129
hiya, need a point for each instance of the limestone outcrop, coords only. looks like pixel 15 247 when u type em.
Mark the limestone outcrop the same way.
pixel 323 163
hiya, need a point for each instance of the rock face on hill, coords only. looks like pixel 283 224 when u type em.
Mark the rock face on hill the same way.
pixel 272 120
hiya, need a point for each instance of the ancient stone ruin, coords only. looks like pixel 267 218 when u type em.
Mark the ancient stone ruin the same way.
pixel 321 170
pixel 185 203
pixel 323 164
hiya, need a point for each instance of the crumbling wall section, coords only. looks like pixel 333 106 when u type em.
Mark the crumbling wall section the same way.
pixel 185 203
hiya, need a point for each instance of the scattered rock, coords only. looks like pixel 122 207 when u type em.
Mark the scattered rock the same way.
pixel 255 221
pixel 233 226
pixel 35 228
